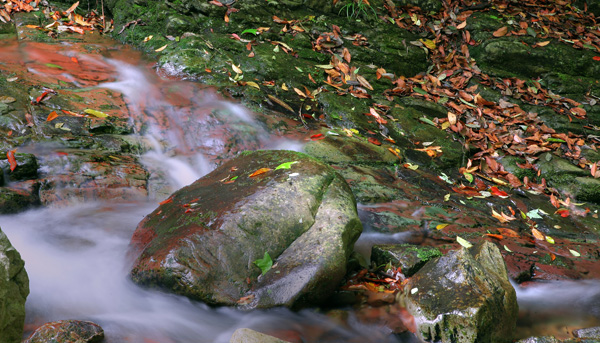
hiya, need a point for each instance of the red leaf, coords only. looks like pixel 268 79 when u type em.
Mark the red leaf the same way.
pixel 41 97
pixel 317 136
pixel 494 190
pixel 374 141
pixel 11 159
pixel 260 171
pixel 596 58
pixel 563 213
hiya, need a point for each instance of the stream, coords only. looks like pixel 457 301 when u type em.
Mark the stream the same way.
pixel 76 254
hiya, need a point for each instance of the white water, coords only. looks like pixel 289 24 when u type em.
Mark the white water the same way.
pixel 78 269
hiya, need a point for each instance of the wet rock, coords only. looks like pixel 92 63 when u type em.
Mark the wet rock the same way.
pixel 548 339
pixel 250 336
pixel 202 242
pixel 14 201
pixel 334 149
pixel 14 288
pixel 425 5
pixel 464 296
pixel 587 332
pixel 67 331
pixel 27 167
pixel 409 258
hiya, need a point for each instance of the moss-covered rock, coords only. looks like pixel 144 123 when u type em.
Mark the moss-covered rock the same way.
pixel 409 258
pixel 464 296
pixel 67 331
pixel 202 242
pixel 14 288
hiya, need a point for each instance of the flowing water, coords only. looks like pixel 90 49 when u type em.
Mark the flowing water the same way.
pixel 76 256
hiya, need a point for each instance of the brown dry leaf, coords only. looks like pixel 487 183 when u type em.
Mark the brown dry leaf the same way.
pixel 280 103
pixel 502 217
pixel 380 72
pixel 462 25
pixel 451 118
pixel 538 235
pixel 364 82
pixel 72 8
pixel 594 171
pixel 260 171
pixel 501 32
pixel 299 92
pixel 5 15
pixel 346 55
pixel 543 43
pixel 508 232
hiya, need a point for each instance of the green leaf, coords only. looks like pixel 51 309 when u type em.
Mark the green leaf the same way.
pixel 286 165
pixel 411 166
pixel 557 140
pixel 534 214
pixel 446 178
pixel 469 177
pixel 531 32
pixel 264 263
pixel 420 90
pixel 252 31
pixel 427 121
pixel 96 113
pixel 463 242
pixel 550 239
pixel 52 65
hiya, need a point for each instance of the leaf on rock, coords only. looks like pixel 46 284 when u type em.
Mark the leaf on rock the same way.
pixel 537 234
pixel 501 32
pixel 574 253
pixel 285 165
pixel 7 99
pixel 11 159
pixel 260 171
pixel 53 115
pixel 463 242
pixel 95 113
pixel 264 263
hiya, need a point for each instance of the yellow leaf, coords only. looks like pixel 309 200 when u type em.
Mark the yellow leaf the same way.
pixel 428 43
pixel 96 113
pixel 148 38
pixel 537 234
pixel 543 43
pixel 441 226
pixel 284 87
pixel 253 84
pixel 236 69
pixel 161 48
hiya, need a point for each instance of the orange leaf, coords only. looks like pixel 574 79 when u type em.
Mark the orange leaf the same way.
pixel 554 201
pixel 166 201
pixel 260 171
pixel 346 55
pixel 563 212
pixel 596 58
pixel 11 159
pixel 317 136
pixel 538 235
pixel 594 171
pixel 53 115
pixel 394 152
pixel 498 237
pixel 462 25
pixel 508 232
pixel 500 32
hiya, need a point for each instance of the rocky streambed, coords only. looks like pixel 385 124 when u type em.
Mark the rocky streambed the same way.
pixel 82 123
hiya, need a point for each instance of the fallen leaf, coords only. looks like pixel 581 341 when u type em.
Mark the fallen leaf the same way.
pixel 500 32
pixel 72 8
pixel 161 48
pixel 236 69
pixel 508 232
pixel 543 43
pixel 495 191
pixel 463 242
pixel 574 253
pixel 53 115
pixel 374 141
pixel 285 165
pixel 550 240
pixel 596 58
pixel 11 159
pixel 169 200
pixel 537 234
pixel 495 236
pixel 364 82
pixel 462 25
pixel 264 263
pixel 441 226
pixel 260 171
pixel 280 103
pixel 95 113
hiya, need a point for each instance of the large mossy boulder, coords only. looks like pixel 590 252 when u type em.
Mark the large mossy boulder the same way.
pixel 203 241
pixel 464 296
pixel 14 288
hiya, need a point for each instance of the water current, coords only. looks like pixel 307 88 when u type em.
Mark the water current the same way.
pixel 76 255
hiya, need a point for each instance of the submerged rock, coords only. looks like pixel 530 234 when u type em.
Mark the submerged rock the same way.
pixel 67 331
pixel 464 296
pixel 204 240
pixel 250 336
pixel 14 288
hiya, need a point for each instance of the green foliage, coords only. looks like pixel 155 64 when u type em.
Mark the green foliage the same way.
pixel 264 263
pixel 357 8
